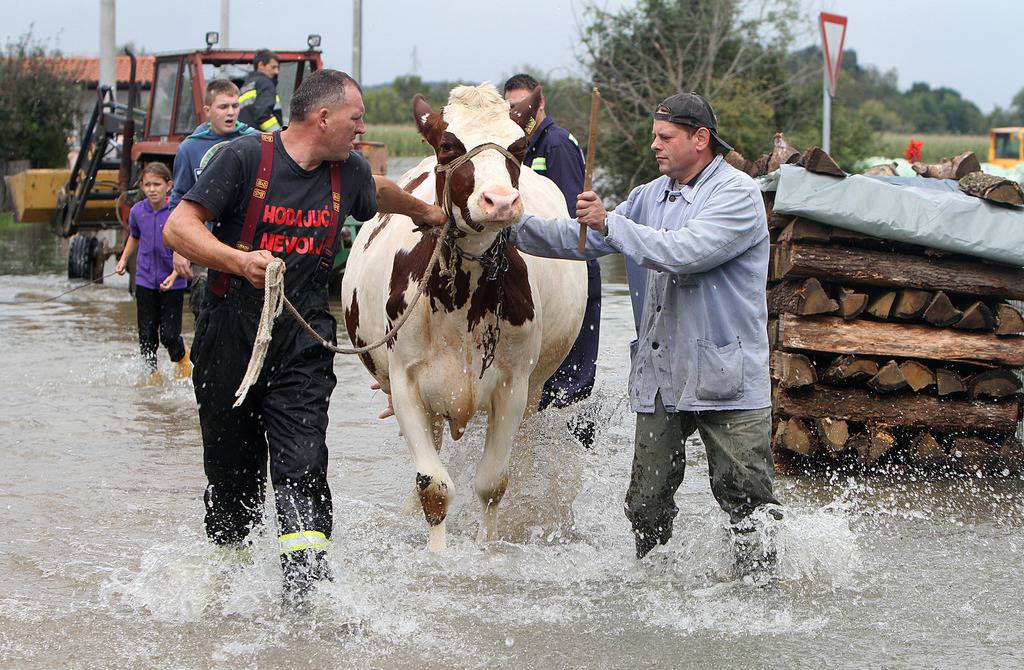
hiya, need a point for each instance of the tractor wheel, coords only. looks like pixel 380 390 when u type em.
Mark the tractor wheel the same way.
pixel 82 257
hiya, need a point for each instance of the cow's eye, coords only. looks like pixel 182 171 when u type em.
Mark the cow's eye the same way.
pixel 446 146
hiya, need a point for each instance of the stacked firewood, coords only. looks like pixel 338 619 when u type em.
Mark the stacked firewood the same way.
pixel 885 352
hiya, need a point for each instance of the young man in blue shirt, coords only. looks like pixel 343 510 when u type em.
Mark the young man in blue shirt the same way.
pixel 554 153
pixel 220 104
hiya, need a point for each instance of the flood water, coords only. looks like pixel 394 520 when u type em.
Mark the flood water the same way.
pixel 104 562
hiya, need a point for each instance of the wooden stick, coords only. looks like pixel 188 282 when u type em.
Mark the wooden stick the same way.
pixel 588 174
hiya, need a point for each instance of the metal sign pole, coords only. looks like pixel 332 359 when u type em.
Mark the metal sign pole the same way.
pixel 833 35
pixel 826 112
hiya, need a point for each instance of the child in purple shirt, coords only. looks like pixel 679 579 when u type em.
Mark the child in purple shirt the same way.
pixel 159 291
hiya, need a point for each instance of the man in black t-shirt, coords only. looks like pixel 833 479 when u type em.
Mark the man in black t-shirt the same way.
pixel 280 195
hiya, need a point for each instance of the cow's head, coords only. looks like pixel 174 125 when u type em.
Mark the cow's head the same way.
pixel 485 189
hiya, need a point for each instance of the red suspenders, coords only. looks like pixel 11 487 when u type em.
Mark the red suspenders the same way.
pixel 255 209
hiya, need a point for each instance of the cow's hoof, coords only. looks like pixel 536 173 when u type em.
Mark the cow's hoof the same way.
pixel 488 525
pixel 434 496
pixel 436 541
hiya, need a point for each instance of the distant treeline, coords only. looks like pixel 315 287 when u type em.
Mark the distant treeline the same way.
pixel 875 96
pixel 870 93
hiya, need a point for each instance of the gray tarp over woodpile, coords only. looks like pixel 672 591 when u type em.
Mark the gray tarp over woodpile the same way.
pixel 929 212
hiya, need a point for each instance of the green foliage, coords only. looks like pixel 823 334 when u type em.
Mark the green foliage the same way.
pixel 876 95
pixel 392 104
pixel 935 147
pixel 37 104
pixel 402 140
pixel 730 51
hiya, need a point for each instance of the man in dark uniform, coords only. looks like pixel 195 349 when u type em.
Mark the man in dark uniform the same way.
pixel 259 104
pixel 555 153
pixel 281 195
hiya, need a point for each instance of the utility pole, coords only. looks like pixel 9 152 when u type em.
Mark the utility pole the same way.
pixel 108 45
pixel 225 24
pixel 357 40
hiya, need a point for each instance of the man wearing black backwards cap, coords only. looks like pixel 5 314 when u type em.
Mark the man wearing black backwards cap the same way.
pixel 697 241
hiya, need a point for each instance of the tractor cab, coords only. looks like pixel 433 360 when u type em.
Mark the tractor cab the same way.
pixel 176 97
pixel 92 208
pixel 1006 146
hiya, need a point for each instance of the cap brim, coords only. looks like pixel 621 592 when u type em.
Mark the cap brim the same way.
pixel 722 143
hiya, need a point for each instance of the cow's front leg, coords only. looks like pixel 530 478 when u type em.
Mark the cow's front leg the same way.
pixel 433 483
pixel 508 404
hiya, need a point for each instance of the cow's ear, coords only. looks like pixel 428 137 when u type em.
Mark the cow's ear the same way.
pixel 524 111
pixel 429 122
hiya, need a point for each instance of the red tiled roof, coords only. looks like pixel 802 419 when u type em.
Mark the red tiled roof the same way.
pixel 87 69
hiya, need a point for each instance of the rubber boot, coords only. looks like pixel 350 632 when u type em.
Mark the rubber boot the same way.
pixel 183 368
pixel 301 571
pixel 155 378
pixel 236 555
pixel 754 549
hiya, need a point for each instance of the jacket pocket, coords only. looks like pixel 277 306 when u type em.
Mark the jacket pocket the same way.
pixel 719 371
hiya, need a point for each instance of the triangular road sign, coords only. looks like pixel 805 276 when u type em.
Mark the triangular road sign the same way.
pixel 833 34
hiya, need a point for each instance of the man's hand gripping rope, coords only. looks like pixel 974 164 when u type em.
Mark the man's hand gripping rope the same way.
pixel 274 301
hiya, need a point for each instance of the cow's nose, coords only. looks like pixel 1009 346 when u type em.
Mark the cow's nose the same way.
pixel 499 206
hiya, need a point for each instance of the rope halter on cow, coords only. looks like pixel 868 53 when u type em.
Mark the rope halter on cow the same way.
pixel 448 168
pixel 493 261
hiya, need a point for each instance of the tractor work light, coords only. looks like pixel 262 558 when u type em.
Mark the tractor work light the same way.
pixel 313 41
pixel 212 38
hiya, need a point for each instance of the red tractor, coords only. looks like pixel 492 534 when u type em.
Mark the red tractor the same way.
pixel 112 141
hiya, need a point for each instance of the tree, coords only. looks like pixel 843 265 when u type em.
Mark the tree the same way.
pixel 730 51
pixel 37 104
pixel 392 103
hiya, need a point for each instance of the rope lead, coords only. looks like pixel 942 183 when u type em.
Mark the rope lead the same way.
pixel 274 299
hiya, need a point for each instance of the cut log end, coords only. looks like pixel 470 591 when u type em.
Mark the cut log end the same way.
pixel 973 455
pixel 977 317
pixel 948 382
pixel 792 370
pixel 805 230
pixel 995 383
pixel 992 188
pixel 950 168
pixel 941 311
pixel 833 433
pixel 793 435
pixel 925 449
pixel 889 378
pixel 918 375
pixel 881 305
pixel 814 299
pixel 873 445
pixel 851 303
pixel 1009 320
pixel 850 369
pixel 910 304
pixel 816 160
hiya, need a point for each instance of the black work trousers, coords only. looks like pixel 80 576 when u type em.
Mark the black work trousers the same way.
pixel 284 415
pixel 159 314
pixel 574 379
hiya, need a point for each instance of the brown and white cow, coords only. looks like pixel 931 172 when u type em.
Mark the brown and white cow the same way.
pixel 485 335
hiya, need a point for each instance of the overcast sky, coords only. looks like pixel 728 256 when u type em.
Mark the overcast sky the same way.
pixel 976 49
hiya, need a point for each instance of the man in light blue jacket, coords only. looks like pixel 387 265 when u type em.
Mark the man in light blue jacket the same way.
pixel 696 245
